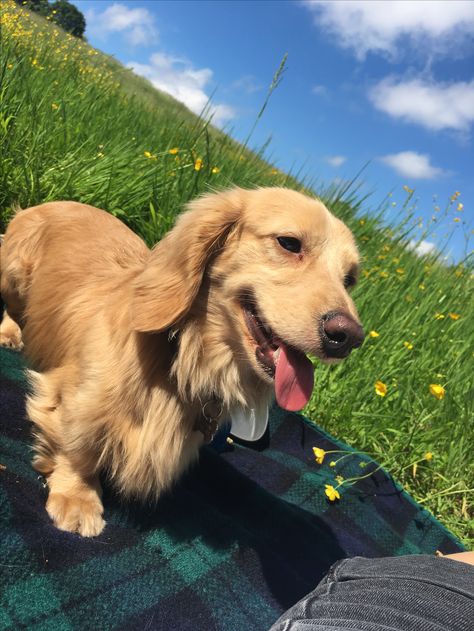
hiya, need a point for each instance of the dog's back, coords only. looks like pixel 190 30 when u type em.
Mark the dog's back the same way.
pixel 60 260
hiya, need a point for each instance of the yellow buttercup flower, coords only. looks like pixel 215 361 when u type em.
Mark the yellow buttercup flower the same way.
pixel 174 151
pixel 215 170
pixel 374 334
pixel 439 316
pixel 408 345
pixel 454 316
pixel 437 391
pixel 428 455
pixel 460 207
pixel 331 493
pixel 198 164
pixel 380 388
pixel 319 454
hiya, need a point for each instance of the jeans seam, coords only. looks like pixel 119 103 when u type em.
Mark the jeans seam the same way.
pixel 332 575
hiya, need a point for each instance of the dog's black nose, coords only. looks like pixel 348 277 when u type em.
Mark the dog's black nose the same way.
pixel 340 333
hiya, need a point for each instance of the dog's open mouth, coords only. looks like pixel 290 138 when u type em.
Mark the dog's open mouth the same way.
pixel 268 348
pixel 290 368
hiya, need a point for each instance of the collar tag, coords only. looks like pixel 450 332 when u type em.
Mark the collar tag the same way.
pixel 207 423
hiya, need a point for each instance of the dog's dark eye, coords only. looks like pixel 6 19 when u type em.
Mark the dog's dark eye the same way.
pixel 290 243
pixel 349 280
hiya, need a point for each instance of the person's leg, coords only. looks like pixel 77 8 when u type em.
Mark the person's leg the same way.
pixel 408 593
pixel 465 557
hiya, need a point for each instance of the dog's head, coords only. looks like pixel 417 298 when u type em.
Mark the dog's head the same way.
pixel 272 268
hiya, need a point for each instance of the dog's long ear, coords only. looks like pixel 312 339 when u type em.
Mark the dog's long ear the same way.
pixel 166 288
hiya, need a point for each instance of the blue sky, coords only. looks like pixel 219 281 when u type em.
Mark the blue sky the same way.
pixel 387 82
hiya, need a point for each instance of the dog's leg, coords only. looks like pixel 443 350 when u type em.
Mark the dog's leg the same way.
pixel 74 502
pixel 10 333
pixel 43 407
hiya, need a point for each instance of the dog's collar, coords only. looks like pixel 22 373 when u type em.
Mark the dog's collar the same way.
pixel 211 411
pixel 208 421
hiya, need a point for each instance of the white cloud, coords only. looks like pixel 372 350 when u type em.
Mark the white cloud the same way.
pixel 336 161
pixel 320 90
pixel 433 105
pixel 248 84
pixel 178 78
pixel 413 165
pixel 378 26
pixel 137 24
pixel 422 247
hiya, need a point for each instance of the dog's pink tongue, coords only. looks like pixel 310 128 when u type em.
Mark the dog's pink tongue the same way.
pixel 294 379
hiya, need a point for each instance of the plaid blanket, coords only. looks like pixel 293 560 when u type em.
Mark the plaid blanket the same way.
pixel 243 536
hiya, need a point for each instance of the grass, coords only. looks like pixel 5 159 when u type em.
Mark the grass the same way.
pixel 74 124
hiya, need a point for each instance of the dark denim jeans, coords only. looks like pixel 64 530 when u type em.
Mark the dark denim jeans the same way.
pixel 408 593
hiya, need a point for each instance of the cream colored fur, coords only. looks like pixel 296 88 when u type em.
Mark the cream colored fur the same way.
pixel 127 344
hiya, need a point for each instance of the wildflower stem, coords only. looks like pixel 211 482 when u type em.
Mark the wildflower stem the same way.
pixel 444 493
pixel 356 479
pixel 347 454
pixel 407 466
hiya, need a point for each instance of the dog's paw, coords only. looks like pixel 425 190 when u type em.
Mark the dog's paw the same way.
pixel 10 333
pixel 76 514
pixel 11 339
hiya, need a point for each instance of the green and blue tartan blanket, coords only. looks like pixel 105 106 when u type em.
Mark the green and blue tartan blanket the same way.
pixel 242 537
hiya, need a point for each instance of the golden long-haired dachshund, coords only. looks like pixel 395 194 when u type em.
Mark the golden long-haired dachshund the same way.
pixel 138 355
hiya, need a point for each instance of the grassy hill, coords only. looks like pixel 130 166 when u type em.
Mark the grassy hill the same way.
pixel 75 124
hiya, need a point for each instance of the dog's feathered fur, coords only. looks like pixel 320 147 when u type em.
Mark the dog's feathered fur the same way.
pixel 128 344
